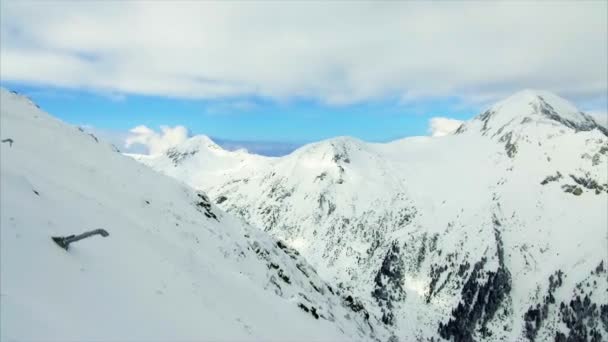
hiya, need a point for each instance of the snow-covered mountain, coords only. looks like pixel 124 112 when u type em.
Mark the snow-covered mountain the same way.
pixel 498 232
pixel 173 268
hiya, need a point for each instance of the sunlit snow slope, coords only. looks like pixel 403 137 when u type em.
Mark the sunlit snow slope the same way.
pixel 173 268
pixel 498 232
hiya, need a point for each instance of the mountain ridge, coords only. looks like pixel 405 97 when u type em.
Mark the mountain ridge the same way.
pixel 447 236
pixel 524 107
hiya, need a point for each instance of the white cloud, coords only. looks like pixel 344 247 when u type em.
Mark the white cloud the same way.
pixel 332 52
pixel 439 126
pixel 154 141
pixel 143 140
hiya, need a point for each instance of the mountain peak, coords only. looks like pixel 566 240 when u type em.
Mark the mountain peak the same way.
pixel 343 141
pixel 198 142
pixel 203 140
pixel 336 149
pixel 532 101
pixel 532 106
pixel 191 147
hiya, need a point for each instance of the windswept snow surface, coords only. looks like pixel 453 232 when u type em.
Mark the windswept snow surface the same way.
pixel 174 267
pixel 497 232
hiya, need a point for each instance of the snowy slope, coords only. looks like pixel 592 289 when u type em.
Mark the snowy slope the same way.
pixel 498 232
pixel 174 267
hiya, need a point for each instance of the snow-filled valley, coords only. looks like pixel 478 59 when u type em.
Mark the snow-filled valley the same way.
pixel 173 268
pixel 498 232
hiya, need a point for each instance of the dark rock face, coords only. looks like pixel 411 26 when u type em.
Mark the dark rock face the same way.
pixel 288 250
pixel 588 123
pixel 312 310
pixel 510 146
pixel 321 176
pixel 177 157
pixel 388 289
pixel 485 118
pixel 589 183
pixel 281 281
pixel 572 189
pixel 355 305
pixel 460 129
pixel 341 153
pixel 585 182
pixel 204 205
pixel 341 157
pixel 550 179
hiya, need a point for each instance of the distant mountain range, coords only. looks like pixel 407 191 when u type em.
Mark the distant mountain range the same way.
pixel 497 232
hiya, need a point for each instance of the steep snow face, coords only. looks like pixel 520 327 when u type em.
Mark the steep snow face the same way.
pixel 305 199
pixel 495 233
pixel 301 190
pixel 174 266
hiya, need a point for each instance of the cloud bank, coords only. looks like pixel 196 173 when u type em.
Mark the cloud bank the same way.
pixel 157 142
pixel 439 127
pixel 331 52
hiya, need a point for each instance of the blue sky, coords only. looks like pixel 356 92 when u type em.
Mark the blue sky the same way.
pixel 272 75
pixel 246 118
